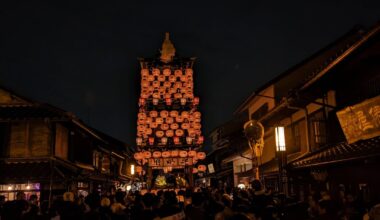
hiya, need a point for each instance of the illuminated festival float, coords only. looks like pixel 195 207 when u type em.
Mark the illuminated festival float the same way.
pixel 169 123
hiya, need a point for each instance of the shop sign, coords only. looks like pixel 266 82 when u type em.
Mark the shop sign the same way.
pixel 361 121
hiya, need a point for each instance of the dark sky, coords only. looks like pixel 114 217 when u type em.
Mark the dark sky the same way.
pixel 82 57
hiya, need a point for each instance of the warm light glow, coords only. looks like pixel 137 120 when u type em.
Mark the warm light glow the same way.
pixel 28 187
pixel 241 186
pixel 280 139
pixel 132 169
pixel 129 187
pixel 10 187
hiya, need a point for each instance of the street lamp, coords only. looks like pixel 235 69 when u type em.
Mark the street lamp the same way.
pixel 281 150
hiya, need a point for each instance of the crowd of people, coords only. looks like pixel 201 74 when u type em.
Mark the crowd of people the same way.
pixel 255 203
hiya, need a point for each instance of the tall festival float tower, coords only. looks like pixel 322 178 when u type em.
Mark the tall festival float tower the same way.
pixel 169 123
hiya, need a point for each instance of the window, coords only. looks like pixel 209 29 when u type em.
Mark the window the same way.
pixel 319 132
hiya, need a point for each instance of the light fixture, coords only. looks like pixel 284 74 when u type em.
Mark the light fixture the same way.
pixel 10 187
pixel 280 139
pixel 241 186
pixel 129 187
pixel 183 101
pixel 189 140
pixel 28 186
pixel 155 101
pixel 132 169
pixel 139 141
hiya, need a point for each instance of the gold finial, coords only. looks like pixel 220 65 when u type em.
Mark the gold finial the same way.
pixel 168 50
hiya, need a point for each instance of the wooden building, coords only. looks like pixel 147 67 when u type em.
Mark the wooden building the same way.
pixel 305 100
pixel 47 151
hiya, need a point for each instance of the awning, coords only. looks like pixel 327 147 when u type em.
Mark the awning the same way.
pixel 341 152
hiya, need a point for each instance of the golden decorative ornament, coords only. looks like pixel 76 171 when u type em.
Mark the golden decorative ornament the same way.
pixel 168 50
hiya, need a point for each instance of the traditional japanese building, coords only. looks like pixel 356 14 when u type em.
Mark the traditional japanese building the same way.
pixel 47 151
pixel 169 122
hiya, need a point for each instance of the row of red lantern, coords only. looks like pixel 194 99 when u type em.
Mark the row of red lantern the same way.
pixel 167 97
pixel 164 140
pixel 167 154
pixel 148 132
pixel 169 101
pixel 166 72
pixel 173 114
pixel 201 168
pixel 149 79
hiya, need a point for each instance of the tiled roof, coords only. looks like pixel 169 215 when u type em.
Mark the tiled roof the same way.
pixel 27 112
pixel 340 153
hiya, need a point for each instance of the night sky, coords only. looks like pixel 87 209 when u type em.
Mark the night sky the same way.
pixel 82 57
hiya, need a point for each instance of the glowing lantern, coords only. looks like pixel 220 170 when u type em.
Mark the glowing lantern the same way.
pixel 189 140
pixel 169 133
pixel 176 140
pixel 195 170
pixel 200 139
pixel 148 120
pixel 179 119
pixel 153 114
pixel 197 115
pixel 192 153
pixel 144 95
pixel 185 114
pixel 160 133
pixel 167 84
pixel 147 154
pixel 161 78
pixel 141 101
pixel 197 120
pixel 140 121
pixel 151 140
pixel 173 114
pixel 150 78
pixel 177 85
pixel 170 169
pixel 196 101
pixel 156 95
pixel 164 140
pixel 148 131
pixel 174 153
pixel 183 78
pixel 138 156
pixel 183 101
pixel 169 120
pixel 191 132
pixel 166 72
pixel 179 132
pixel 168 101
pixel 164 114
pixel 202 168
pixel 178 73
pixel 139 141
pixel 172 78
pixel 140 128
pixel 195 160
pixel 197 126
pixel 159 120
pixel 144 83
pixel 144 72
pixel 153 124
pixel 155 72
pixel 141 115
pixel 174 126
pixel 166 154
pixel 155 101
pixel 185 126
pixel 172 90
pixel 201 155
pixel 157 154
pixel 183 153
pixel 138 169
pixel 164 127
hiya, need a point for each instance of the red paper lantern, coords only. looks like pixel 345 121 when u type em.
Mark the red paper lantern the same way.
pixel 150 78
pixel 159 120
pixel 178 73
pixel 176 140
pixel 164 114
pixel 153 114
pixel 156 72
pixel 166 154
pixel 172 78
pixel 166 72
pixel 173 113
pixel 151 140
pixel 185 126
pixel 164 127
pixel 202 168
pixel 174 153
pixel 169 120
pixel 197 115
pixel 144 72
pixel 157 154
pixel 183 153
pixel 200 139
pixel 139 169
pixel 153 124
pixel 147 154
pixel 138 156
pixel 195 170
pixel 174 126
pixel 192 153
pixel 179 132
pixel 160 133
pixel 179 119
pixel 161 78
pixel 201 155
pixel 189 72
pixel 169 133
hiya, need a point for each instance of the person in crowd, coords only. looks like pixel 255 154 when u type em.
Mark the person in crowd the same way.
pixel 105 211
pixel 195 210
